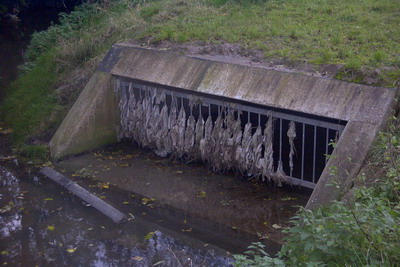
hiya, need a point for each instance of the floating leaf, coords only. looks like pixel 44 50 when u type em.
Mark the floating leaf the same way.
pixel 234 227
pixel 288 198
pixel 147 201
pixel 149 236
pixel 202 194
pixel 137 258
pixel 71 250
pixel 4 252
pixel 125 202
pixel 179 172
pixel 50 227
pixel 105 186
pixel 123 165
pixel 158 263
pixel 48 199
pixel 187 230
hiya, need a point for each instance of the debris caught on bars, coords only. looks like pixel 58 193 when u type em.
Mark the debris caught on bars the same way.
pixel 166 124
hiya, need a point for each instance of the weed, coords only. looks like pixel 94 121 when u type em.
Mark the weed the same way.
pixel 36 153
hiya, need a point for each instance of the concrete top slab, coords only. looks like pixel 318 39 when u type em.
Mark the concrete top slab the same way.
pixel 313 95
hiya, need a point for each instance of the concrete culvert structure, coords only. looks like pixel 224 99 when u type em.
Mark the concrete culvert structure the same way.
pixel 264 124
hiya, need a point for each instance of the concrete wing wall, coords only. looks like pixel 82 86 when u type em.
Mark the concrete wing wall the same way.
pixel 91 122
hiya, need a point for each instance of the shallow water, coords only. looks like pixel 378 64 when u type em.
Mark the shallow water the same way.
pixel 41 224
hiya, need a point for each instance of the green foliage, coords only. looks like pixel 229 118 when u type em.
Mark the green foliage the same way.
pixel 256 256
pixel 36 153
pixel 69 26
pixel 30 98
pixel 364 231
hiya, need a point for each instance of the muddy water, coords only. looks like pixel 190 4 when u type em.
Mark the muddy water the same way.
pixel 223 209
pixel 40 224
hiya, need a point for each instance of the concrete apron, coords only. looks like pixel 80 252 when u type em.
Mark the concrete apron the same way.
pixel 93 119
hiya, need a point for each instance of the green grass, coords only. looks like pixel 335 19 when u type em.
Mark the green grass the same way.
pixel 360 34
pixel 337 32
pixel 31 98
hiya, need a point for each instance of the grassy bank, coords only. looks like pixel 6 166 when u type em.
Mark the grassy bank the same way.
pixel 360 36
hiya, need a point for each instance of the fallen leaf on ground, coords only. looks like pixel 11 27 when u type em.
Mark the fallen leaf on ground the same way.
pixel 262 236
pixel 6 131
pixel 50 227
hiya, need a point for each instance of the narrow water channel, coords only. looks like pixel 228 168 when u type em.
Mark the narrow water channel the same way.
pixel 41 224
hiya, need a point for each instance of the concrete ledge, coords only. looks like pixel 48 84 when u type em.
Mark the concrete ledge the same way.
pixel 312 95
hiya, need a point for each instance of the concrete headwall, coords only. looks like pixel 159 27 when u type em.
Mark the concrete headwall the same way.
pixel 93 119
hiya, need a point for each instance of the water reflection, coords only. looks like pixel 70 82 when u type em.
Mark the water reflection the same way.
pixel 42 224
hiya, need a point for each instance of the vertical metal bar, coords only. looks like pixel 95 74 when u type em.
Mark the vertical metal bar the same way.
pixel 248 116
pixel 315 152
pixel 280 139
pixel 259 119
pixel 209 110
pixel 327 145
pixel 182 103
pixel 302 152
